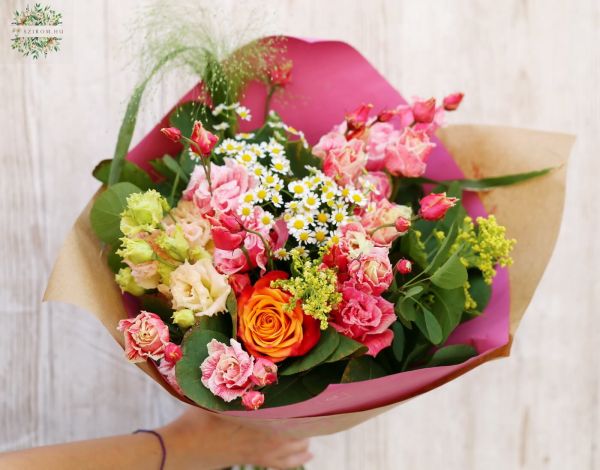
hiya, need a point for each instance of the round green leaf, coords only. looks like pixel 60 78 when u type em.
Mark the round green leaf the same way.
pixel 346 347
pixel 451 274
pixel 105 215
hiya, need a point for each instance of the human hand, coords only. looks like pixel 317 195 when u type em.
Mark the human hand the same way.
pixel 199 440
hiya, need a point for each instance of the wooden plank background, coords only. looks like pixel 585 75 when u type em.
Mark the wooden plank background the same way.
pixel 529 63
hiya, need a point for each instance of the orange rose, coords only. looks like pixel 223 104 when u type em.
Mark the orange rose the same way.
pixel 267 328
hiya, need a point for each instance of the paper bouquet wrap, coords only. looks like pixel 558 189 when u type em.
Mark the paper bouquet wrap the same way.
pixel 329 79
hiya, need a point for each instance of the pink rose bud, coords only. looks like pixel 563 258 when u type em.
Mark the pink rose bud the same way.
pixel 239 282
pixel 264 373
pixel 424 111
pixel 386 115
pixel 281 74
pixel 358 118
pixel 253 400
pixel 434 206
pixel 173 353
pixel 172 133
pixel 404 266
pixel 402 224
pixel 203 140
pixel 452 101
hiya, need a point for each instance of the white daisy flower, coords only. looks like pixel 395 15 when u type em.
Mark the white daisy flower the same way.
pixel 276 199
pixel 259 171
pixel 321 235
pixel 266 220
pixel 248 198
pixel 280 165
pixel 306 237
pixel 281 254
pixel 269 179
pixel 221 126
pixel 356 197
pixel 322 217
pixel 338 217
pixel 261 193
pixel 297 223
pixel 244 136
pixel 298 188
pixel 275 148
pixel 257 150
pixel 243 113
pixel 246 211
pixel 246 157
pixel 311 201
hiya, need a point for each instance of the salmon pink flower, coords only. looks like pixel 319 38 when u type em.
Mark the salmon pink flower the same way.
pixel 382 222
pixel 227 370
pixel 172 133
pixel 452 101
pixel 382 184
pixel 434 206
pixel 328 142
pixel 380 135
pixel 146 336
pixel 372 272
pixel 345 164
pixel 402 224
pixel 203 141
pixel 253 400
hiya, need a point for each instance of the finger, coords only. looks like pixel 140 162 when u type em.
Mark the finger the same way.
pixel 293 461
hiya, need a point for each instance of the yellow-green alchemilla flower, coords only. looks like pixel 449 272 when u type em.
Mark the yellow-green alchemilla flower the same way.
pixel 127 283
pixel 135 250
pixel 144 212
pixel 174 244
pixel 184 318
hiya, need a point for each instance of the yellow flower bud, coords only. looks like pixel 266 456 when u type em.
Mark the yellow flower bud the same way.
pixel 127 283
pixel 184 318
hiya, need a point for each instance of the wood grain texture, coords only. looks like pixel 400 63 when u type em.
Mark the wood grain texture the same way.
pixel 528 63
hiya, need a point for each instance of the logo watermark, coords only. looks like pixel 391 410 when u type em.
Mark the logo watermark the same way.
pixel 36 31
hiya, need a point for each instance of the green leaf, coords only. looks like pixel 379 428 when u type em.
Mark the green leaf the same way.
pixel 320 377
pixel 450 355
pixel 414 290
pixel 231 305
pixel 346 347
pixel 188 371
pixel 398 342
pixel 328 342
pixel 221 323
pixel 114 261
pixel 405 308
pixel 448 308
pixel 362 368
pixel 479 289
pixel 485 184
pixel 429 326
pixel 131 173
pixel 288 390
pixel 172 165
pixel 451 274
pixel 441 255
pixel 105 215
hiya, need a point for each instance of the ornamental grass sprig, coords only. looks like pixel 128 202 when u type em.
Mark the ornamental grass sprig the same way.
pixel 314 285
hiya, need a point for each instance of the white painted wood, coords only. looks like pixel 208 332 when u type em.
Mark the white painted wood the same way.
pixel 528 63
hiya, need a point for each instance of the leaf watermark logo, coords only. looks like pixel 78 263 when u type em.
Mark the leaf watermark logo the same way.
pixel 36 31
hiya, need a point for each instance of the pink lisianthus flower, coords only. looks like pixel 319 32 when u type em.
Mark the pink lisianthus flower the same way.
pixel 167 370
pixel 365 318
pixel 372 273
pixel 145 274
pixel 385 213
pixel 196 228
pixel 228 182
pixel 227 370
pixel 345 164
pixel 380 135
pixel 407 156
pixel 253 400
pixel 330 141
pixel 146 336
pixel 381 184
pixel 264 373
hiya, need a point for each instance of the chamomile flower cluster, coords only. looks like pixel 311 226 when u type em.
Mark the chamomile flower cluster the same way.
pixel 319 207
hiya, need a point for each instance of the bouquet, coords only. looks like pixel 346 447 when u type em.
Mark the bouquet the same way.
pixel 293 241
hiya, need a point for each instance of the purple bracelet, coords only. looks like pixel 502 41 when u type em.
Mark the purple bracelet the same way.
pixel 162 445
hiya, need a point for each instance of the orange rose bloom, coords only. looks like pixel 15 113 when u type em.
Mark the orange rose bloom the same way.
pixel 267 328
